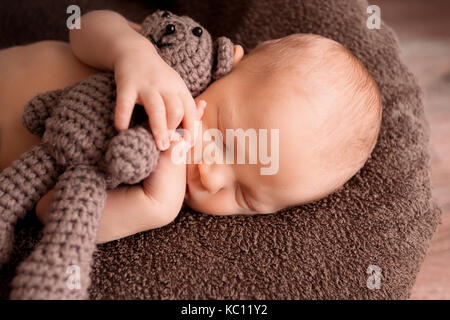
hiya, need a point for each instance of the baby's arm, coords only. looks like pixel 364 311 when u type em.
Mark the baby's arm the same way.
pixel 26 71
pixel 153 204
pixel 132 209
pixel 107 40
pixel 104 36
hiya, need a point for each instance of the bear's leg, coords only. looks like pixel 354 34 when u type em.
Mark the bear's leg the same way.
pixel 22 184
pixel 59 266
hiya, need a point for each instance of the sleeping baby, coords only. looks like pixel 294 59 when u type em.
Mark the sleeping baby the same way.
pixel 319 99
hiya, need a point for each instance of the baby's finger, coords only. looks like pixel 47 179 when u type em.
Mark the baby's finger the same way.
pixel 126 98
pixel 201 105
pixel 174 111
pixel 156 111
pixel 190 116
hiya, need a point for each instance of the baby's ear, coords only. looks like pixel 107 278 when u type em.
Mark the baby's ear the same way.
pixel 224 54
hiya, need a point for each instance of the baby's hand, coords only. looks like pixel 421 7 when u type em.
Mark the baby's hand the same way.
pixel 167 184
pixel 143 77
pixel 152 204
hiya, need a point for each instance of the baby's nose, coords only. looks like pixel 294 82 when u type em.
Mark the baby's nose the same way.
pixel 213 177
pixel 170 29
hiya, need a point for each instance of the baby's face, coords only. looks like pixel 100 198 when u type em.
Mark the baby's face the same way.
pixel 241 100
pixel 312 114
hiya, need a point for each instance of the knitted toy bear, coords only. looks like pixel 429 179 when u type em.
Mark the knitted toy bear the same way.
pixel 81 155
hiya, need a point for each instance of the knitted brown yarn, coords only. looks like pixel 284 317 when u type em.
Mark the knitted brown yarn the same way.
pixel 36 111
pixel 68 239
pixel 79 139
pixel 130 155
pixel 21 185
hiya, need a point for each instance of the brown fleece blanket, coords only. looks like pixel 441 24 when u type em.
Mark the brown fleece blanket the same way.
pixel 384 216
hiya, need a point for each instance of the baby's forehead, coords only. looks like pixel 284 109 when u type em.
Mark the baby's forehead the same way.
pixel 272 103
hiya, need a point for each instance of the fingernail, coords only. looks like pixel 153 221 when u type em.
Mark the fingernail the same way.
pixel 164 144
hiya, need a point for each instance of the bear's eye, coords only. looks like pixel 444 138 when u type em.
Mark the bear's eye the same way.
pixel 166 14
pixel 197 31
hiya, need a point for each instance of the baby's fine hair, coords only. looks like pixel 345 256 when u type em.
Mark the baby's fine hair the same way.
pixel 329 72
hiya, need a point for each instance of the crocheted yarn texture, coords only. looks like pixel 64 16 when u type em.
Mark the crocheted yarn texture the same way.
pixel 81 155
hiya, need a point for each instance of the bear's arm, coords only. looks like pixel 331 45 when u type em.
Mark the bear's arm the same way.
pixel 38 109
pixel 131 156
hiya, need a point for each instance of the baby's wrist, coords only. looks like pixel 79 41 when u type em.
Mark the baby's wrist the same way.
pixel 130 47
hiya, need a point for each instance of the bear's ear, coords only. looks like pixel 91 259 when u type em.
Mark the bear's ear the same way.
pixel 223 57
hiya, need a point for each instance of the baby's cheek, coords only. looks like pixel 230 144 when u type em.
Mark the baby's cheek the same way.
pixel 221 206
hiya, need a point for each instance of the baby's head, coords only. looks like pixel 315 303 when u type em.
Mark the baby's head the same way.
pixel 320 99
